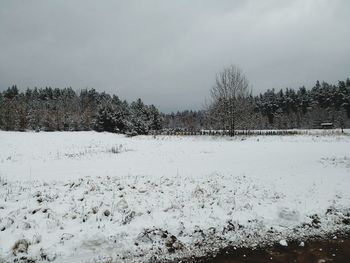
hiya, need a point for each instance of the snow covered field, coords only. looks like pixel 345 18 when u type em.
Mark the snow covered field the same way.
pixel 94 197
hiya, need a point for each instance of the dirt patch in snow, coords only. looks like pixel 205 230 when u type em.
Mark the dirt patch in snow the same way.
pixel 333 249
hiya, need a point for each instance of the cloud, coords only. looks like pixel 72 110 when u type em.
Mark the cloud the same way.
pixel 168 52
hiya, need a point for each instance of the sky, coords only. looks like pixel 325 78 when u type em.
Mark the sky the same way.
pixel 169 52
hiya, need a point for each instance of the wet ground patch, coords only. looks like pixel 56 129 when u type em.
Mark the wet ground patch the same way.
pixel 335 249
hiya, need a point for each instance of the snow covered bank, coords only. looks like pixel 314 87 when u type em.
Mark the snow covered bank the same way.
pixel 85 197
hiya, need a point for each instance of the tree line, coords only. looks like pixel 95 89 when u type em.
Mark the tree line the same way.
pixel 233 107
pixel 53 109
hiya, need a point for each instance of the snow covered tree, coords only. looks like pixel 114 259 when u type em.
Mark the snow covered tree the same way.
pixel 139 117
pixel 106 119
pixel 155 118
pixel 230 97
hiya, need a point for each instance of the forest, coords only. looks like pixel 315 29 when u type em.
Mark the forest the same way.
pixel 283 109
pixel 54 109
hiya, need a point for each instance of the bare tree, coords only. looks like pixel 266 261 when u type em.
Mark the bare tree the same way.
pixel 230 99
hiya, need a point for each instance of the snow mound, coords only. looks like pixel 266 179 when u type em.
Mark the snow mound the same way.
pixel 97 219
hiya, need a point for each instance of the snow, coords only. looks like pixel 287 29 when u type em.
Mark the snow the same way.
pixel 283 243
pixel 91 197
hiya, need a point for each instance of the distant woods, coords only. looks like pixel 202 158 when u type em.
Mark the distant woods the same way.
pixel 232 107
pixel 53 109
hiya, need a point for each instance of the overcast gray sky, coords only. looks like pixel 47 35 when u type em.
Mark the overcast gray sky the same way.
pixel 168 52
